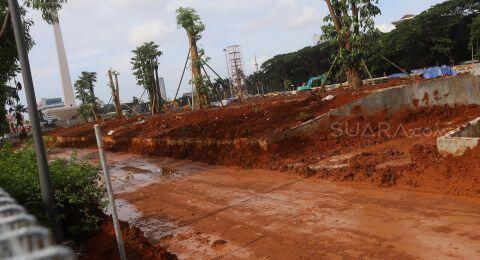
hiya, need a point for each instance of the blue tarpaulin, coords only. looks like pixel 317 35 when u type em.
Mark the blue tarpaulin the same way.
pixel 398 75
pixel 435 72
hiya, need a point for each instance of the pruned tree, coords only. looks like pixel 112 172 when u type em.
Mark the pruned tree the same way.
pixel 84 90
pixel 188 19
pixel 145 69
pixel 350 25
pixel 115 92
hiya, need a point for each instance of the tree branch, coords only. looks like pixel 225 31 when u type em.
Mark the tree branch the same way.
pixel 356 18
pixel 336 21
pixel 5 24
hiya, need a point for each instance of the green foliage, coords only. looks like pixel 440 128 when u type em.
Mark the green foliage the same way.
pixel 145 65
pixel 436 36
pixel 18 112
pixel 8 50
pixel 188 19
pixel 8 63
pixel 430 38
pixel 77 196
pixel 292 68
pixel 145 62
pixel 357 28
pixel 84 89
pixel 49 8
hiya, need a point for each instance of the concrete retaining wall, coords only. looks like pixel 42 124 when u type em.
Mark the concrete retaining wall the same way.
pixel 458 141
pixel 458 90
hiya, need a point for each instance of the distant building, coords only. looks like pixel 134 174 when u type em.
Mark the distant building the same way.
pixel 404 18
pixel 47 104
pixel 163 91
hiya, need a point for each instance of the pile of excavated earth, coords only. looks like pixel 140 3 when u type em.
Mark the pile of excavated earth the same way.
pixel 384 148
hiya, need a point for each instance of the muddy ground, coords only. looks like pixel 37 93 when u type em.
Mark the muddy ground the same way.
pixel 103 245
pixel 384 150
pixel 199 211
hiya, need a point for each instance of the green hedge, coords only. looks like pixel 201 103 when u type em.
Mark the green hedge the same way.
pixel 78 197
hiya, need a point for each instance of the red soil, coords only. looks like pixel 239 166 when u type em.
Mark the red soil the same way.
pixel 103 245
pixel 382 149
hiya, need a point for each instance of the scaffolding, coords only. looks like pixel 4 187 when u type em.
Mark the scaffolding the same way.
pixel 235 67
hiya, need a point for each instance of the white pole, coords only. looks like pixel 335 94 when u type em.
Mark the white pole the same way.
pixel 103 159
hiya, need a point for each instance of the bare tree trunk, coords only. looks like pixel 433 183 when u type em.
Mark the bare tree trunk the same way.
pixel 336 21
pixel 201 100
pixel 354 78
pixel 154 99
pixel 157 90
pixel 114 88
pixel 117 95
pixel 5 24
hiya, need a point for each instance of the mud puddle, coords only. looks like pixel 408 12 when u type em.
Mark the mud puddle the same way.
pixel 211 212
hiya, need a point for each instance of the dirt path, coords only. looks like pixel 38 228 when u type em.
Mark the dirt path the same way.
pixel 204 212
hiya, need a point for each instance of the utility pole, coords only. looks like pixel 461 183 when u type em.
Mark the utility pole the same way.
pixel 44 174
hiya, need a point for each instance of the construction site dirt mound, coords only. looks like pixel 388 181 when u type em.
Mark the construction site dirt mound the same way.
pixel 379 149
pixel 103 245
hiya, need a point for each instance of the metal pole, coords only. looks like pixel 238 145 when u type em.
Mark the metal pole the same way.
pixel 44 174
pixel 116 223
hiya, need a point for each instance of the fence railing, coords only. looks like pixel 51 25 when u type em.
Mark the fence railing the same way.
pixel 22 238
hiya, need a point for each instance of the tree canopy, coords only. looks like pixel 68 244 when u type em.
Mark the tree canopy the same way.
pixel 145 69
pixel 84 90
pixel 350 26
pixel 442 33
pixel 188 19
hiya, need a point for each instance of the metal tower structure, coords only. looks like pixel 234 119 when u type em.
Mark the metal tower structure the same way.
pixel 235 67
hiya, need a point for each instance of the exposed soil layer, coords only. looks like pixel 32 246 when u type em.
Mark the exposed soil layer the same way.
pixel 381 149
pixel 218 212
pixel 257 116
pixel 103 245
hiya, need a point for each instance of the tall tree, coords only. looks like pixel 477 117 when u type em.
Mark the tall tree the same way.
pixel 188 19
pixel 145 68
pixel 84 89
pixel 350 25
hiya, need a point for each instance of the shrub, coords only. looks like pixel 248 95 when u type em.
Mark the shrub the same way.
pixel 77 195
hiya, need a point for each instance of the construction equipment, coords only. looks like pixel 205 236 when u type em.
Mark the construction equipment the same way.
pixel 310 84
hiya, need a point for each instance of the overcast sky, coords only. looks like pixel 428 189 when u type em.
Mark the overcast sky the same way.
pixel 101 34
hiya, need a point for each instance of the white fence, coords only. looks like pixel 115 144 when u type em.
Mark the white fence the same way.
pixel 22 238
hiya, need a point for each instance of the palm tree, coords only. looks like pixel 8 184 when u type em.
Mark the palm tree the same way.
pixel 18 111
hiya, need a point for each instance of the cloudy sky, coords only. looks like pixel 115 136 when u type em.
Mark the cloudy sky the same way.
pixel 101 34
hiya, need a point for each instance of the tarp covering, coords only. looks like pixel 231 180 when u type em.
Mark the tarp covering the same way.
pixel 398 75
pixel 435 72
